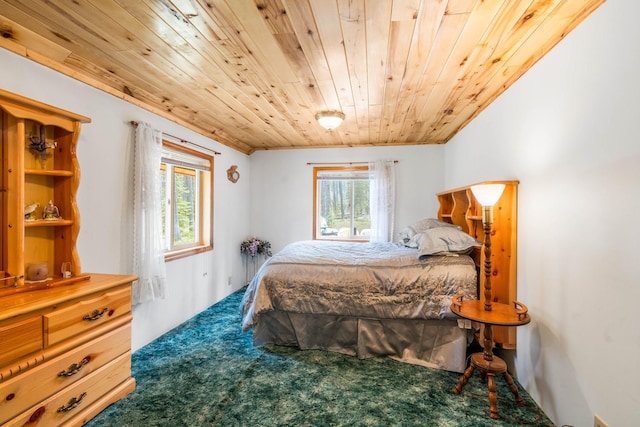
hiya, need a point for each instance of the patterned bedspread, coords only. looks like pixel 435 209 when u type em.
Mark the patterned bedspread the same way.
pixel 374 280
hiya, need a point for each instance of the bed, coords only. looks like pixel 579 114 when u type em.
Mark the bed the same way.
pixel 369 299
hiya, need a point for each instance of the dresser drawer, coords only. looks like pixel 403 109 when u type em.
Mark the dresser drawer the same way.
pixel 69 402
pixel 25 390
pixel 69 320
pixel 20 338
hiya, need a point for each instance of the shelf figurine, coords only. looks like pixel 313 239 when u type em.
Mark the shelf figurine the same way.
pixel 30 211
pixel 51 212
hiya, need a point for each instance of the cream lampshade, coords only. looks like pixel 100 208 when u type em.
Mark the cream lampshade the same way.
pixel 488 195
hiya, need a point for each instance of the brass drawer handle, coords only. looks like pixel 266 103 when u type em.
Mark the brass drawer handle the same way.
pixel 74 368
pixel 72 403
pixel 95 315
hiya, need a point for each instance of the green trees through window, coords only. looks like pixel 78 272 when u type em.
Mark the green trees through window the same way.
pixel 186 198
pixel 341 203
pixel 187 193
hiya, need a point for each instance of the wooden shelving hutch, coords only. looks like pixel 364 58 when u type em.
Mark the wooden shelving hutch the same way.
pixel 30 177
pixel 65 342
pixel 459 206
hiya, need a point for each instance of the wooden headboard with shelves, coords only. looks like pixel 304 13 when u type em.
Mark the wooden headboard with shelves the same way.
pixel 459 207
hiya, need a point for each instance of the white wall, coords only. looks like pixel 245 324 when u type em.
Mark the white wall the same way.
pixel 104 197
pixel 282 187
pixel 568 130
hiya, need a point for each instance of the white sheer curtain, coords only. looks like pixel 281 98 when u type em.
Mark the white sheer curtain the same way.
pixel 382 198
pixel 148 252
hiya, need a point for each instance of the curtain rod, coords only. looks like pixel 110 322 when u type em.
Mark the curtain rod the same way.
pixel 184 141
pixel 342 163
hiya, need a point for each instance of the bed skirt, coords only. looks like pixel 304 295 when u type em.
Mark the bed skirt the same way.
pixel 439 344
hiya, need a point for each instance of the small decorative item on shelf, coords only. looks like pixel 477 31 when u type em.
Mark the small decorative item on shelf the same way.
pixel 30 211
pixel 51 212
pixel 37 272
pixel 38 146
pixel 254 248
pixel 65 270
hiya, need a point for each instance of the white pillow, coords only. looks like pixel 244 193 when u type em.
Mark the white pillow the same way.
pixel 405 235
pixel 443 241
pixel 429 223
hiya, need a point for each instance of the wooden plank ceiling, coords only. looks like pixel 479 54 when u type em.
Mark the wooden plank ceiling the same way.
pixel 252 74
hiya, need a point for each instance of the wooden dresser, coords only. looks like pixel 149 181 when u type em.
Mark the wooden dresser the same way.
pixel 65 352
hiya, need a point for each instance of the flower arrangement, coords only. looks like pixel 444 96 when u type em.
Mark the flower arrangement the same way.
pixel 38 146
pixel 254 246
pixel 39 143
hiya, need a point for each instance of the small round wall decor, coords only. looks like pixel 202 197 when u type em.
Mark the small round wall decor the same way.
pixel 232 174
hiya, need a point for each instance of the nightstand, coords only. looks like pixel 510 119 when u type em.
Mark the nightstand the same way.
pixel 488 364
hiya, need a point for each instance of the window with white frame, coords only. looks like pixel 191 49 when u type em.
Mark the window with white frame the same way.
pixel 187 192
pixel 341 203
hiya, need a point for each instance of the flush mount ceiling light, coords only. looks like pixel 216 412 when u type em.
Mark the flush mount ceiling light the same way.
pixel 330 119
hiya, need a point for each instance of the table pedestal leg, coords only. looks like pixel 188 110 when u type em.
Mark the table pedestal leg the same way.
pixel 493 396
pixel 519 400
pixel 464 379
pixel 488 370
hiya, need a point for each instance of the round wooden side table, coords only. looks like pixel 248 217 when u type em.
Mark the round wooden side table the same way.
pixel 489 364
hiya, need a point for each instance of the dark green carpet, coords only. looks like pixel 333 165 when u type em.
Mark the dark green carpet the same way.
pixel 207 372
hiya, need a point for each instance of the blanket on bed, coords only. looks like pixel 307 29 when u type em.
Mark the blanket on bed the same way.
pixel 373 280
